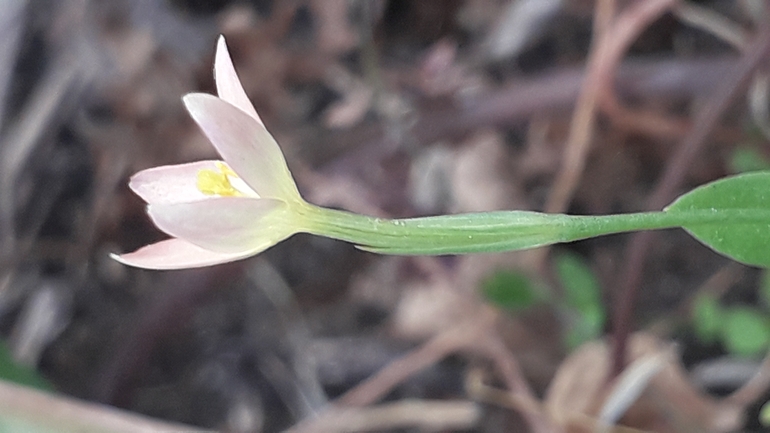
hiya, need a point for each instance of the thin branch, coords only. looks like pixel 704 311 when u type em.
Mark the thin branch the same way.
pixel 603 61
pixel 25 409
pixel 425 415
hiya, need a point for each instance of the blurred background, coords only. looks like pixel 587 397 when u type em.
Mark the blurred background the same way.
pixel 392 108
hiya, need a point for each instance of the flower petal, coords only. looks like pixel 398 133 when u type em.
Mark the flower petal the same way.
pixel 170 183
pixel 176 254
pixel 245 145
pixel 229 86
pixel 226 224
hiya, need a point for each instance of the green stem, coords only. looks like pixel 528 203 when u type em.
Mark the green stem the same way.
pixel 492 231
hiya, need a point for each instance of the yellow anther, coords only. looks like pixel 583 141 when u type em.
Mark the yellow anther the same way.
pixel 225 169
pixel 217 182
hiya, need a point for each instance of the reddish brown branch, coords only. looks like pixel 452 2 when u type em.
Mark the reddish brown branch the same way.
pixel 553 93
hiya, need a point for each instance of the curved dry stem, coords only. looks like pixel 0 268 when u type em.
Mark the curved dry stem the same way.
pixel 608 49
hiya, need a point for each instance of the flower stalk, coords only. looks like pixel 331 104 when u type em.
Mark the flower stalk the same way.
pixel 500 231
pixel 227 210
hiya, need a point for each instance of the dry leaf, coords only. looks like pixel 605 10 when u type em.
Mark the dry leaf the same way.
pixel 670 402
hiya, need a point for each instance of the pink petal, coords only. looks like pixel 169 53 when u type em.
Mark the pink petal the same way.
pixel 245 145
pixel 226 224
pixel 176 254
pixel 228 85
pixel 170 183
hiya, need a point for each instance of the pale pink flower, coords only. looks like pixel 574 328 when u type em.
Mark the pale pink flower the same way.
pixel 219 211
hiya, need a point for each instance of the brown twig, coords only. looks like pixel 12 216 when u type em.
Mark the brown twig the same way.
pixel 25 409
pixel 661 125
pixel 430 353
pixel 754 388
pixel 515 102
pixel 427 415
pixel 476 334
pixel 603 61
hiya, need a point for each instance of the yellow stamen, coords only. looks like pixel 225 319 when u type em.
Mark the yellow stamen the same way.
pixel 225 169
pixel 217 182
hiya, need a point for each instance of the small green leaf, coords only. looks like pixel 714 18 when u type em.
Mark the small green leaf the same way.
pixel 764 415
pixel 588 325
pixel 707 318
pixel 582 295
pixel 581 288
pixel 745 331
pixel 510 290
pixel 746 159
pixel 743 234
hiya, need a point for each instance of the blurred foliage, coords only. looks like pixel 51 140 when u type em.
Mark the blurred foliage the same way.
pixel 582 296
pixel 745 331
pixel 745 158
pixel 581 304
pixel 11 371
pixel 707 318
pixel 742 330
pixel 764 415
pixel 510 290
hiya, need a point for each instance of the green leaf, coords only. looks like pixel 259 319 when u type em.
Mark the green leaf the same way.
pixel 582 294
pixel 707 318
pixel 744 232
pixel 510 290
pixel 745 332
